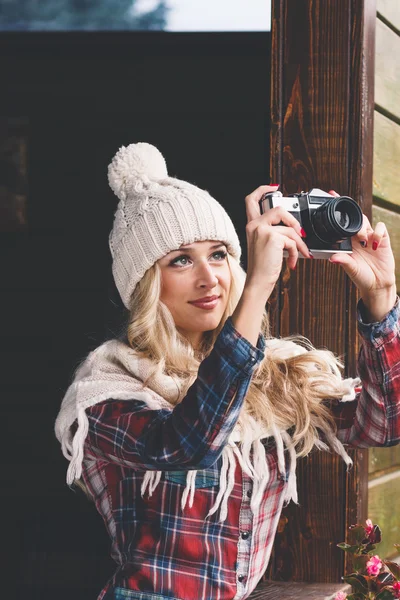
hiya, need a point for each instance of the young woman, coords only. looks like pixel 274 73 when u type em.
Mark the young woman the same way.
pixel 186 432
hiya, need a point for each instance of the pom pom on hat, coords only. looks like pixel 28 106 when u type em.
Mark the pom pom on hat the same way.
pixel 139 162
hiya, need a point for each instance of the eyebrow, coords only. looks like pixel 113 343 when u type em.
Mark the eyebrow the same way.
pixel 188 248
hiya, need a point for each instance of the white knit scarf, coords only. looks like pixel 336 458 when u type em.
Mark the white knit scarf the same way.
pixel 116 371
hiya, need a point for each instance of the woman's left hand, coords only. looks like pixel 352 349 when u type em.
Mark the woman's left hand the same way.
pixel 371 267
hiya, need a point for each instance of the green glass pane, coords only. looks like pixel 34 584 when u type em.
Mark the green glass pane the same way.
pixel 383 459
pixel 384 510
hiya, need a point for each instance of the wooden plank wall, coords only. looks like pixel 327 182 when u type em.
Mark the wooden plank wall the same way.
pixel 321 136
pixel 384 463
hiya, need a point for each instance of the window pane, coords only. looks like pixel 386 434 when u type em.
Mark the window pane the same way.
pixel 122 15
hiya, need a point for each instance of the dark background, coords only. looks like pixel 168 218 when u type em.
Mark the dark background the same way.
pixel 203 100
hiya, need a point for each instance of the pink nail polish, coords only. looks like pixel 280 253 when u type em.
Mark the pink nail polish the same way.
pixel 374 245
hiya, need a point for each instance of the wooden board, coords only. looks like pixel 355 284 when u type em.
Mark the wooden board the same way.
pixel 386 159
pixel 296 591
pixel 387 68
pixel 390 9
pixel 321 136
pixel 392 222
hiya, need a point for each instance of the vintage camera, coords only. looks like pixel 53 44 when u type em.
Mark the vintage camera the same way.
pixel 329 222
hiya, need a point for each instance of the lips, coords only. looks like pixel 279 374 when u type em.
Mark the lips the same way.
pixel 207 303
pixel 205 299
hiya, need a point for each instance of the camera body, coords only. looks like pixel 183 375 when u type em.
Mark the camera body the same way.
pixel 329 221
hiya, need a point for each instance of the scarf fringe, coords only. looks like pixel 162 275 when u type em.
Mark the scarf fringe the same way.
pixel 74 470
pixel 258 472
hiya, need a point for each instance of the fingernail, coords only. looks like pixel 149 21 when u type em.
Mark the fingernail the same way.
pixel 374 245
pixel 274 184
pixel 311 256
pixel 303 233
pixel 363 244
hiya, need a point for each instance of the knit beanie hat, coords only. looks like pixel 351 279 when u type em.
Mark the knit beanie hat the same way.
pixel 157 214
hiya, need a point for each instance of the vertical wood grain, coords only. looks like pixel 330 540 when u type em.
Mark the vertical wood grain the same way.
pixel 321 136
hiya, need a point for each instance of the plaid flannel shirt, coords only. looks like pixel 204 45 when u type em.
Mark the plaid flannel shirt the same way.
pixel 163 552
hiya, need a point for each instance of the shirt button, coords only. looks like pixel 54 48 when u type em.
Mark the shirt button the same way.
pixel 245 535
pixel 248 493
pixel 241 578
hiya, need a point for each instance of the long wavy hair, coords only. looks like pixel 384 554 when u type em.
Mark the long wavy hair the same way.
pixel 286 391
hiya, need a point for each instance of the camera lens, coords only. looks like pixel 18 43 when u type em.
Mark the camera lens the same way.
pixel 337 219
pixel 342 218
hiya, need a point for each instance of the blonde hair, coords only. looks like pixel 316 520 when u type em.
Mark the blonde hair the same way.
pixel 286 391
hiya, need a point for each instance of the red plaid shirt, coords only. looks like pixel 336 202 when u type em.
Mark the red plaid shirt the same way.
pixel 163 552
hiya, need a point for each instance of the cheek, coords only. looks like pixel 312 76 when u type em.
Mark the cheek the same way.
pixel 173 290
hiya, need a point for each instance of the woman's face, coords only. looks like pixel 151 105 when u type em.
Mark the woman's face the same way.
pixel 192 273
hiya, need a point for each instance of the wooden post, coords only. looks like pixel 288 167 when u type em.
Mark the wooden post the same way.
pixel 321 136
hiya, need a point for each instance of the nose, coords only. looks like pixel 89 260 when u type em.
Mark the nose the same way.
pixel 206 276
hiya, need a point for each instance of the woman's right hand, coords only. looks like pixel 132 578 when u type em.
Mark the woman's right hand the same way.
pixel 266 241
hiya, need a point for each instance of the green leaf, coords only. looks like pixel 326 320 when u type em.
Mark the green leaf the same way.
pixel 393 567
pixel 358 532
pixel 375 536
pixel 384 595
pixel 357 582
pixel 384 579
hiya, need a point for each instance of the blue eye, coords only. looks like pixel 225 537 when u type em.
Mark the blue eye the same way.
pixel 220 253
pixel 183 260
pixel 178 259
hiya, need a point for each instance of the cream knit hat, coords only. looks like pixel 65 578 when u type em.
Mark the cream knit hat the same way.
pixel 157 214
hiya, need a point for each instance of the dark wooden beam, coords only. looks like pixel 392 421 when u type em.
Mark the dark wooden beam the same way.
pixel 321 136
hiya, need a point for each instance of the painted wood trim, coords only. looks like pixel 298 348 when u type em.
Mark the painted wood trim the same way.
pixel 386 159
pixel 390 10
pixel 392 222
pixel 387 69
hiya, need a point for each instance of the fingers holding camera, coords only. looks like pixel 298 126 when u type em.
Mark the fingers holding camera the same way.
pixel 300 244
pixel 379 235
pixel 364 235
pixel 292 251
pixel 277 215
pixel 266 245
pixel 372 269
pixel 253 199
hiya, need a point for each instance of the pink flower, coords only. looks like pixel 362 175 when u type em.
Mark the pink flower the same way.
pixel 340 596
pixel 369 527
pixel 374 565
pixel 396 589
